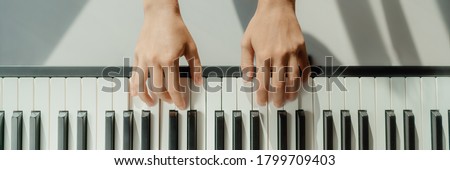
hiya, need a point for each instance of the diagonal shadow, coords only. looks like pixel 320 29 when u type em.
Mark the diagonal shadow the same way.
pixel 400 33
pixel 245 10
pixel 444 5
pixel 30 30
pixel 319 51
pixel 362 29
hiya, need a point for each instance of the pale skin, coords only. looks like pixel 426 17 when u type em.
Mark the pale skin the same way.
pixel 273 39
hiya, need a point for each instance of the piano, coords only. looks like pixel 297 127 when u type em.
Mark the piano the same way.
pixel 342 108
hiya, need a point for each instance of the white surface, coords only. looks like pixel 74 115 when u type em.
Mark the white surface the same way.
pixel 429 102
pixel 25 104
pixel 337 103
pixel 244 104
pixel 89 104
pixel 102 32
pixel 321 103
pixel 57 104
pixel 9 105
pixel 228 105
pixel 367 100
pixel 443 97
pixel 383 103
pixel 104 103
pixel 41 103
pixel 398 105
pixel 120 104
pixel 198 102
pixel 73 102
pixel 413 102
pixel 213 103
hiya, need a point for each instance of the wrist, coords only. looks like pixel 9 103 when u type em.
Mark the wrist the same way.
pixel 276 4
pixel 161 6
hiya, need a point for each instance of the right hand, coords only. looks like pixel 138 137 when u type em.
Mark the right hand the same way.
pixel 164 38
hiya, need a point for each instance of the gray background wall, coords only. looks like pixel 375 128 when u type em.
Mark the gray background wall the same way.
pixel 103 32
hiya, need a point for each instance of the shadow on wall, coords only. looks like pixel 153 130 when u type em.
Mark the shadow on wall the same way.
pixel 400 33
pixel 365 37
pixel 444 5
pixel 30 30
pixel 245 10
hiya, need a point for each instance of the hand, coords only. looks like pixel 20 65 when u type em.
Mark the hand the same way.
pixel 274 36
pixel 164 38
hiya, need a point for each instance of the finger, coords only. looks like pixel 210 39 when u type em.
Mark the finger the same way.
pixel 278 82
pixel 173 85
pixel 195 65
pixel 143 90
pixel 158 84
pixel 293 81
pixel 247 57
pixel 304 63
pixel 263 78
pixel 134 80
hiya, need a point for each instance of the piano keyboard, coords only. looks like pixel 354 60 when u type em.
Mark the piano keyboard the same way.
pixel 89 108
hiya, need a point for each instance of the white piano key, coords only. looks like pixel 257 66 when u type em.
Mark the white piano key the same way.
pixel 164 124
pixel 291 107
pixel 337 103
pixel 272 125
pixel 383 103
pixel 41 103
pixel 398 104
pixel 264 123
pixel 120 104
pixel 57 104
pixel 198 102
pixel 89 104
pixel 306 102
pixel 244 104
pixel 213 103
pixel 321 101
pixel 413 102
pixel 25 104
pixel 229 98
pixel 182 113
pixel 352 100
pixel 429 102
pixel 2 116
pixel 443 95
pixel 73 105
pixel 104 103
pixel 367 88
pixel 10 97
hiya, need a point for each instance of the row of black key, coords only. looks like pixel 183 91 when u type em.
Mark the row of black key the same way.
pixel 391 130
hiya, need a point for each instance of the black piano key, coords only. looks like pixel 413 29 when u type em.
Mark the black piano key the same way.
pixel 35 130
pixel 437 142
pixel 109 130
pixel 327 130
pixel 254 130
pixel 346 130
pixel 173 130
pixel 16 130
pixel 363 127
pixel 300 130
pixel 237 130
pixel 145 129
pixel 63 130
pixel 192 130
pixel 391 130
pixel 2 128
pixel 282 130
pixel 220 130
pixel 82 130
pixel 409 130
pixel 128 130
